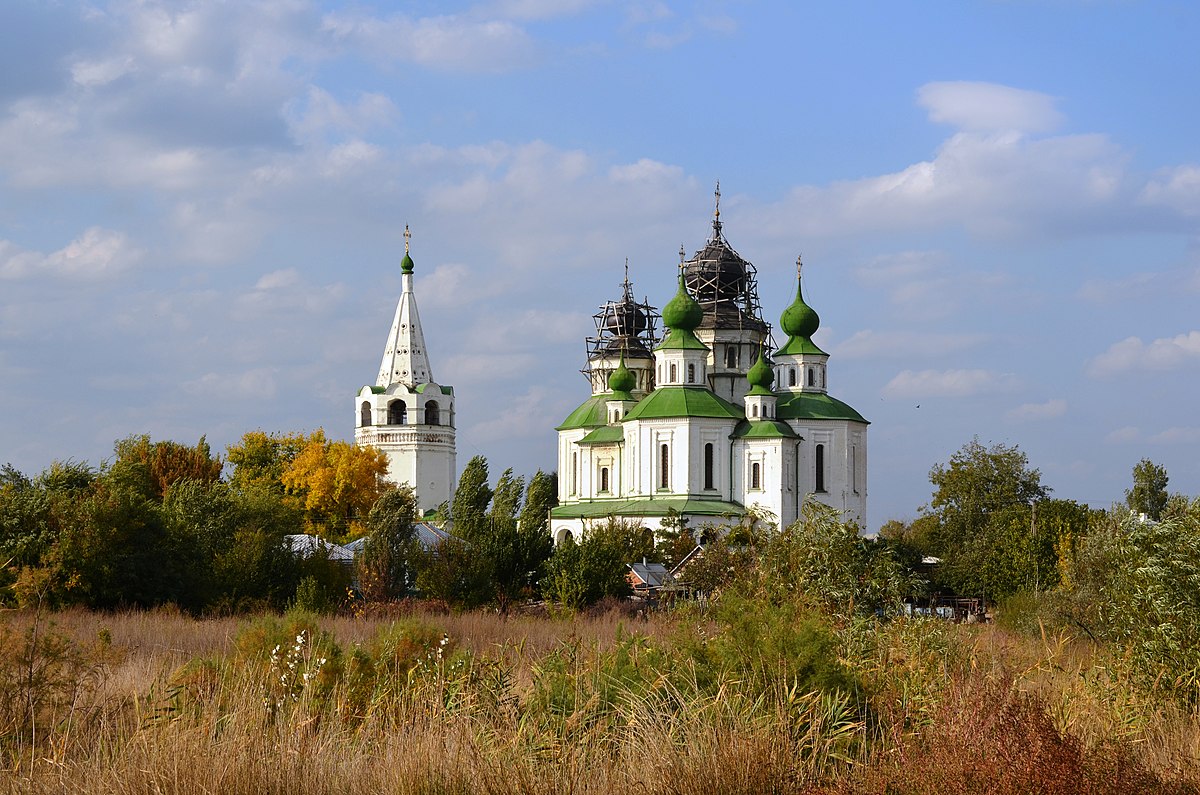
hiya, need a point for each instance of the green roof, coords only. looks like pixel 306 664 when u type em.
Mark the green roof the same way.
pixel 681 339
pixel 378 390
pixel 591 413
pixel 683 401
pixel 686 506
pixel 446 390
pixel 606 435
pixel 799 346
pixel 764 429
pixel 814 406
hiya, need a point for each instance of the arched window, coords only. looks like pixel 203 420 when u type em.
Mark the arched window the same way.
pixel 731 357
pixel 691 373
pixel 756 476
pixel 854 468
pixel 819 468
pixel 397 413
pixel 822 378
pixel 754 410
pixel 664 464
pixel 811 381
pixel 433 414
pixel 603 478
pixel 365 416
pixel 674 374
pixel 574 473
pixel 708 466
pixel 791 376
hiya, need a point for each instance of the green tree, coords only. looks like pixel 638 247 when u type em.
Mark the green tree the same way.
pixel 155 466
pixel 385 568
pixel 469 509
pixel 979 484
pixel 261 459
pixel 579 575
pixel 1149 492
pixel 541 495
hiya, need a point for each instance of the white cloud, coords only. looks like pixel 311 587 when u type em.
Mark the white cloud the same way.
pixel 97 254
pixel 944 383
pixel 523 417
pixel 274 280
pixel 1124 435
pixel 99 73
pixel 1131 353
pixel 988 107
pixel 1027 412
pixel 453 43
pixel 1177 188
pixel 1177 435
pixel 255 383
pixel 868 343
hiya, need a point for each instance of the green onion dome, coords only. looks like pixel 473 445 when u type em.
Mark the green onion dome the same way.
pixel 682 312
pixel 799 319
pixel 621 379
pixel 406 264
pixel 760 374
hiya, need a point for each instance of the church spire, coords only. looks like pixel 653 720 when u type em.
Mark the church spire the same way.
pixel 404 358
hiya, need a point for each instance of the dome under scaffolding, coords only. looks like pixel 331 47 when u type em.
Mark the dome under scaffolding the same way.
pixel 626 326
pixel 723 283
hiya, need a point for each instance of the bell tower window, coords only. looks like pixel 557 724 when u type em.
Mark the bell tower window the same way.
pixel 432 413
pixel 397 413
pixel 365 414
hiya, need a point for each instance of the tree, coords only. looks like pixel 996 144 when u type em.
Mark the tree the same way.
pixel 1149 492
pixel 979 484
pixel 337 481
pixel 540 496
pixel 385 568
pixel 156 466
pixel 470 506
pixel 580 575
pixel 261 459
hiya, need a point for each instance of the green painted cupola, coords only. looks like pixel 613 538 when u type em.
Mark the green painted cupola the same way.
pixel 406 264
pixel 760 376
pixel 622 382
pixel 800 322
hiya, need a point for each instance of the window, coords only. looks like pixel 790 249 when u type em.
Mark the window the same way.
pixel 791 376
pixel 754 410
pixel 731 357
pixel 691 373
pixel 811 381
pixel 604 479
pixel 674 374
pixel 365 416
pixel 820 468
pixel 822 378
pixel 755 476
pixel 397 413
pixel 433 414
pixel 664 466
pixel 708 466
pixel 854 469
pixel 574 473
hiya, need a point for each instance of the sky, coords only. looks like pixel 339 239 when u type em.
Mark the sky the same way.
pixel 202 208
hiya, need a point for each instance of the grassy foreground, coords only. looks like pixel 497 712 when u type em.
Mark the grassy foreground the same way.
pixel 750 702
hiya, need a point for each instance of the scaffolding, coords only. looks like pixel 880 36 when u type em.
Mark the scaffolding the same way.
pixel 626 326
pixel 723 283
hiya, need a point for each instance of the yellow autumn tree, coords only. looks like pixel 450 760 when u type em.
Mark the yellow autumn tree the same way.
pixel 337 482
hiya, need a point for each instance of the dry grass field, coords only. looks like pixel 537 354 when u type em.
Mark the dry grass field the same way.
pixel 144 702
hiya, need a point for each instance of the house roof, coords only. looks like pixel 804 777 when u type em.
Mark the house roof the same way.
pixel 306 546
pixel 653 575
pixel 684 401
pixel 814 406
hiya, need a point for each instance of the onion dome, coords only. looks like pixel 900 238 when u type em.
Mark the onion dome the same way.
pixel 799 319
pixel 406 264
pixel 760 375
pixel 627 319
pixel 621 381
pixel 682 312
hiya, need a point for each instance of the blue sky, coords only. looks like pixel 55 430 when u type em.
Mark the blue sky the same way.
pixel 998 203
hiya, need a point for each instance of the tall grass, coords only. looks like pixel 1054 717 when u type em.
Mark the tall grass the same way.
pixel 483 703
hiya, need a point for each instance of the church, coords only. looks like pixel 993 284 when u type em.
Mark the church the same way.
pixel 700 421
pixel 707 421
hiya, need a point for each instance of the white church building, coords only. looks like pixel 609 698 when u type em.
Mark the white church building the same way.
pixel 407 414
pixel 707 421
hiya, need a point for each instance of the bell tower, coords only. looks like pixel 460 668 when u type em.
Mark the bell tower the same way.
pixel 407 414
